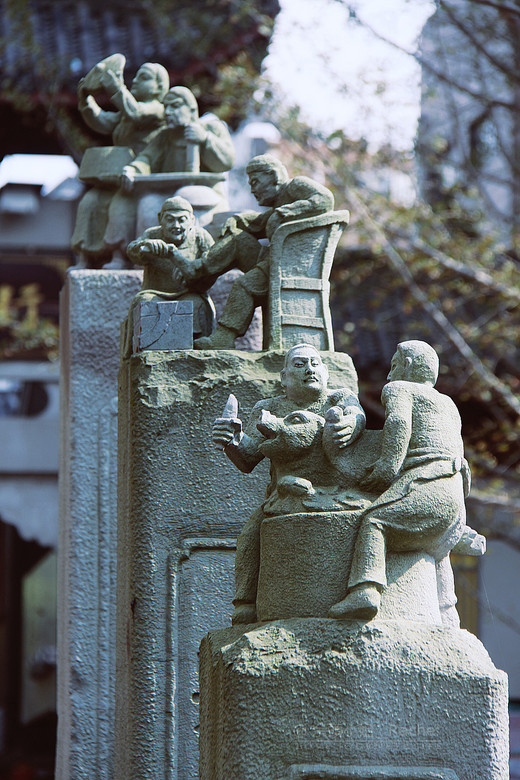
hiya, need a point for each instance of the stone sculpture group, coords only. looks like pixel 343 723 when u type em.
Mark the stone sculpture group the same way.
pixel 411 496
pixel 343 578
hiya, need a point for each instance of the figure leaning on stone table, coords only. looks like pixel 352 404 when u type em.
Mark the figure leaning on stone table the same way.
pixel 170 151
pixel 422 477
pixel 138 116
pixel 238 246
pixel 159 249
pixel 304 379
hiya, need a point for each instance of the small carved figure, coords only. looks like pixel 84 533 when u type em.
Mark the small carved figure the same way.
pixel 138 116
pixel 158 250
pixel 239 247
pixel 421 477
pixel 187 143
pixel 306 400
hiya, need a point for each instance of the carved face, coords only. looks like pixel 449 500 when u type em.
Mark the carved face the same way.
pixel 144 85
pixel 401 368
pixel 176 226
pixel 264 186
pixel 177 112
pixel 305 375
pixel 288 436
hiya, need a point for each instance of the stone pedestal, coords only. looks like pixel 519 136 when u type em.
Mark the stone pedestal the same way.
pixel 316 699
pixel 182 505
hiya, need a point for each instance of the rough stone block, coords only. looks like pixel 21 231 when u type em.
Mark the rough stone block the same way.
pixel 318 699
pixel 176 535
pixel 163 325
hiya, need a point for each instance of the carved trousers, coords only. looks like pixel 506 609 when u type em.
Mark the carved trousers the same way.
pixel 413 514
pixel 247 560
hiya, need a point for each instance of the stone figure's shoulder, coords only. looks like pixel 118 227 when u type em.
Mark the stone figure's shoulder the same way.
pixel 203 238
pixel 277 405
pixel 213 124
pixel 152 232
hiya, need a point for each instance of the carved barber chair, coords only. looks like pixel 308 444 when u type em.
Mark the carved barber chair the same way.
pixel 297 309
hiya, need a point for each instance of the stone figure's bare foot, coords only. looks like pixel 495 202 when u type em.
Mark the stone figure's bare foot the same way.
pixel 362 602
pixel 221 338
pixel 244 613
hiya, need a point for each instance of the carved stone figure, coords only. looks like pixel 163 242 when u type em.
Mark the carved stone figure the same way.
pixel 306 397
pixel 238 247
pixel 186 144
pixel 158 250
pixel 138 115
pixel 421 476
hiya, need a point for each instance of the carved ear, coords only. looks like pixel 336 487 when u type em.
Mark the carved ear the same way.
pixel 282 377
pixel 408 361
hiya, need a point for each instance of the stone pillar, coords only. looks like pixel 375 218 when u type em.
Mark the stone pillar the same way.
pixel 182 505
pixel 93 305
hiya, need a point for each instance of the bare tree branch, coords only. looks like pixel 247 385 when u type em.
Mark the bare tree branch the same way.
pixel 451 333
pixel 462 269
pixel 503 7
pixel 424 63
pixel 479 46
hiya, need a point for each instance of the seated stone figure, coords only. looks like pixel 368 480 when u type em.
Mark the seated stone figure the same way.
pixel 238 247
pixel 421 477
pixel 304 379
pixel 158 251
pixel 187 144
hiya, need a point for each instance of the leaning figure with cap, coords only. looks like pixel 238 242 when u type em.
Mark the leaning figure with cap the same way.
pixel 286 199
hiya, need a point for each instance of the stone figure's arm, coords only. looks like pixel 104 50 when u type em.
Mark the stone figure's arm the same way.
pixel 308 198
pixel 352 420
pixel 397 431
pixel 101 121
pixel 140 112
pixel 147 246
pixel 240 447
pixel 192 268
pixel 217 153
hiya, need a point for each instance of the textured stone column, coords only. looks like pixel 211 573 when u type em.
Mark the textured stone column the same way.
pixel 182 504
pixel 93 305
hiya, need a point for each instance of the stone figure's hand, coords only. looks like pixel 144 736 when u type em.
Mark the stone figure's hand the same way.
pixel 154 246
pixel 82 90
pixel 195 133
pixel 342 426
pixel 225 430
pixel 127 178
pixel 110 80
pixel 379 476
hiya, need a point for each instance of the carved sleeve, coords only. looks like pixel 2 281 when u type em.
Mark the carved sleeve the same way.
pixel 217 152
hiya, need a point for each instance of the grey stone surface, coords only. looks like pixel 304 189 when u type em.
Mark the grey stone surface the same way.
pixel 182 507
pixel 163 325
pixel 330 695
pixel 93 305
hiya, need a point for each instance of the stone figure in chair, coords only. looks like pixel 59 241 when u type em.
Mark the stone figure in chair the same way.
pixel 238 246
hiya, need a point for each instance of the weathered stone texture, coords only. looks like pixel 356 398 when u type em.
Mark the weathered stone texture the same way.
pixel 339 694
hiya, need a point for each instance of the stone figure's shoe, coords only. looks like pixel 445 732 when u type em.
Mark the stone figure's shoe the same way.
pixel 363 603
pixel 221 338
pixel 244 613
